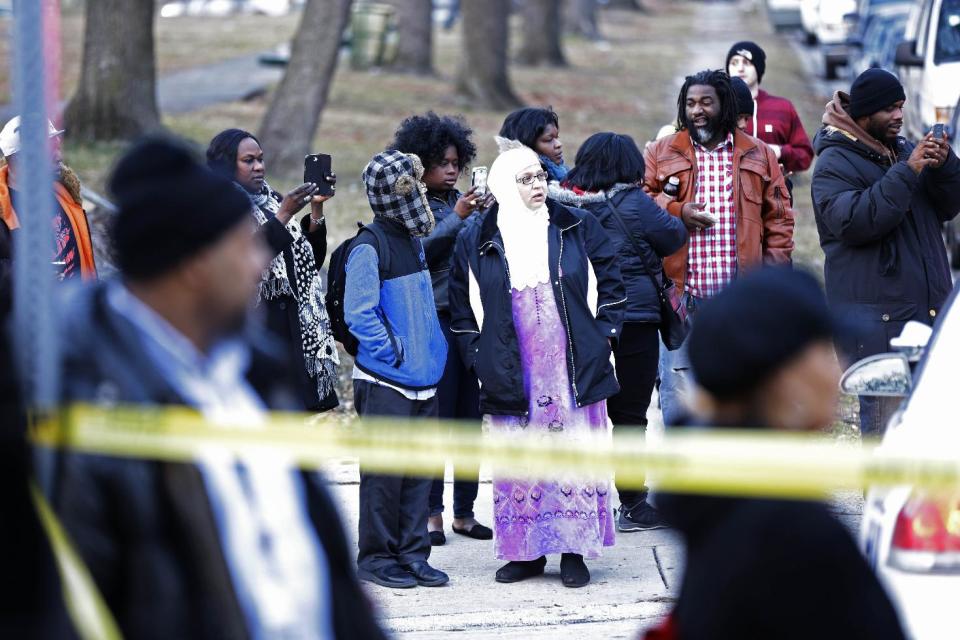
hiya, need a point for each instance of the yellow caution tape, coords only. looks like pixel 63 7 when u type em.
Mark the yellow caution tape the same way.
pixel 722 461
pixel 91 617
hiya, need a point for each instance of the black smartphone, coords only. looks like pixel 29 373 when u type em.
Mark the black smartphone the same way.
pixel 316 168
pixel 478 179
pixel 937 131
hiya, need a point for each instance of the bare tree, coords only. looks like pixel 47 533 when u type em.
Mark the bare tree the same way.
pixel 117 93
pixel 415 32
pixel 483 77
pixel 581 19
pixel 294 114
pixel 542 30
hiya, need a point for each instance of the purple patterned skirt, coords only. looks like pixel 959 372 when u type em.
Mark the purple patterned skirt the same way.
pixel 565 513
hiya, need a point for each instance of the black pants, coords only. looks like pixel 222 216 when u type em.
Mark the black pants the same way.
pixel 393 509
pixel 458 395
pixel 637 355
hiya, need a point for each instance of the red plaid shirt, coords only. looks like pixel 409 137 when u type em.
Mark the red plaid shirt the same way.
pixel 712 259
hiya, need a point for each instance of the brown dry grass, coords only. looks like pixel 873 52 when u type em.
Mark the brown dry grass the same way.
pixel 629 86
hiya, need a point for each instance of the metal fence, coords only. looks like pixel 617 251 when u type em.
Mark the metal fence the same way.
pixel 35 323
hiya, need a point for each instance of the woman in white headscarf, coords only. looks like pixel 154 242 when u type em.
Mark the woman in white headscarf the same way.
pixel 536 303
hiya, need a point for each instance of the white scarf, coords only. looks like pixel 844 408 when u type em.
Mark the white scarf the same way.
pixel 524 230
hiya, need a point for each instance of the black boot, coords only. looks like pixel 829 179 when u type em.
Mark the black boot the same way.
pixel 517 570
pixel 573 571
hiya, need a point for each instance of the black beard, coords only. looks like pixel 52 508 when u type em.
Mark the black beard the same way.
pixel 880 135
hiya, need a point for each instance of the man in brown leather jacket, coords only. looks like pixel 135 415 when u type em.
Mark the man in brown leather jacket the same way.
pixel 731 195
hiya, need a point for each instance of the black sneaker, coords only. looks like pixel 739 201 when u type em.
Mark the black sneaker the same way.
pixel 640 517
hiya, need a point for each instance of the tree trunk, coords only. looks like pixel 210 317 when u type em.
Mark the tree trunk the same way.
pixel 117 93
pixel 581 19
pixel 291 121
pixel 483 77
pixel 542 30
pixel 415 32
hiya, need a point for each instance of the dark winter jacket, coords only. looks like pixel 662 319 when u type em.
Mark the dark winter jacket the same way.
pixel 880 229
pixel 480 287
pixel 282 312
pixel 759 568
pixel 146 529
pixel 656 233
pixel 438 246
pixel 393 315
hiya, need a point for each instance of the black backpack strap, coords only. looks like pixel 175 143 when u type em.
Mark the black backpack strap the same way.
pixel 382 245
pixel 641 247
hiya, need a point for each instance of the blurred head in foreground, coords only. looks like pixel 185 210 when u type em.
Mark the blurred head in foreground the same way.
pixel 184 239
pixel 762 354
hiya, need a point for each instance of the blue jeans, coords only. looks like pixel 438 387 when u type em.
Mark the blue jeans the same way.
pixel 675 374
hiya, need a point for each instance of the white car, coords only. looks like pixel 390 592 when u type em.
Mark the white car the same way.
pixel 928 63
pixel 912 537
pixel 784 14
pixel 824 22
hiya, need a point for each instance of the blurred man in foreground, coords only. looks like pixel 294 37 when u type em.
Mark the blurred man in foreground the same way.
pixel 763 358
pixel 230 546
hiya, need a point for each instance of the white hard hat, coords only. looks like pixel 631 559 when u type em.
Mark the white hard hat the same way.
pixel 10 136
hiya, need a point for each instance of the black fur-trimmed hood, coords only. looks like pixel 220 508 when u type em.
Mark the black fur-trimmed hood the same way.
pixel 573 199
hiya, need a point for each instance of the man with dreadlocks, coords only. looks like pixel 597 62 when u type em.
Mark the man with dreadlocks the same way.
pixel 732 199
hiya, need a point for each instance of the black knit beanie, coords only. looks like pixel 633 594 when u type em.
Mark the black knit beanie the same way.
pixel 873 90
pixel 170 207
pixel 754 327
pixel 752 52
pixel 745 103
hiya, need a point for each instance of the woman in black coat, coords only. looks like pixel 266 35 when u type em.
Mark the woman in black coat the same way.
pixel 605 181
pixel 536 301
pixel 291 286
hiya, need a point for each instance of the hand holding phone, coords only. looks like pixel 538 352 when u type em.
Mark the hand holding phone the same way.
pixel 318 169
pixel 478 180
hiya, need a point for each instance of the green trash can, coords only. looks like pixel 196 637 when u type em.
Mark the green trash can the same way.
pixel 369 24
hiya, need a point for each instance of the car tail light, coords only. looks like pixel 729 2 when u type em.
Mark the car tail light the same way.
pixel 926 537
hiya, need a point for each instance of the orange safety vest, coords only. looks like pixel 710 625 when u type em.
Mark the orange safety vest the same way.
pixel 75 214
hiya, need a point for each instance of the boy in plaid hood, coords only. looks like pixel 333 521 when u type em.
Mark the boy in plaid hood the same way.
pixel 389 307
pixel 395 189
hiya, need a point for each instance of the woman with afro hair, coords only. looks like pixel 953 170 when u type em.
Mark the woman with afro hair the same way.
pixel 444 145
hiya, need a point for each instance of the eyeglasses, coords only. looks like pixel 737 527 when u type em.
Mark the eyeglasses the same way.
pixel 529 180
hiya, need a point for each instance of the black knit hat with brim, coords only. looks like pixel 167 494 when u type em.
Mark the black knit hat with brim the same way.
pixel 873 91
pixel 170 207
pixel 752 52
pixel 756 326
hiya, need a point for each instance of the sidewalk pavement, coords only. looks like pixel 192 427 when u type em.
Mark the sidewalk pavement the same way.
pixel 232 80
pixel 633 585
